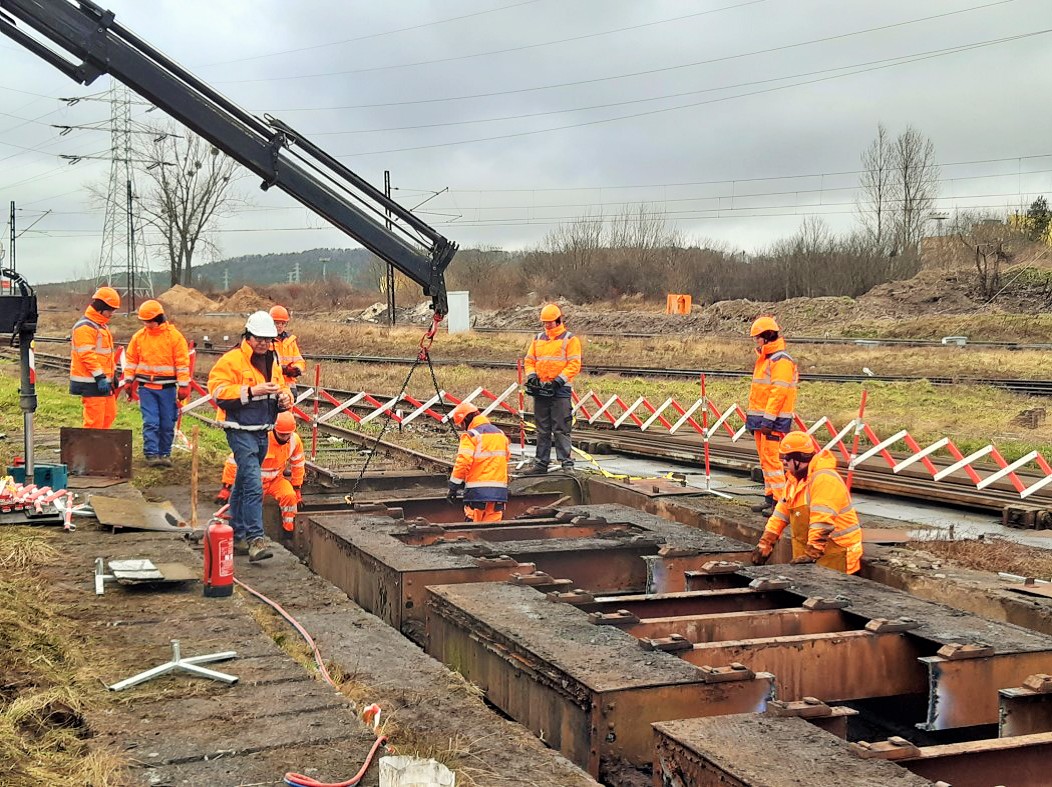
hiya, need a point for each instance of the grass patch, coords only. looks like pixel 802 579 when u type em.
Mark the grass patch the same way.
pixel 47 680
pixel 991 554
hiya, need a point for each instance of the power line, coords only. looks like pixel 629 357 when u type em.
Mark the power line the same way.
pixel 648 72
pixel 634 115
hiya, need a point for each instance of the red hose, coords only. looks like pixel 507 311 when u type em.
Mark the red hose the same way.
pixel 299 780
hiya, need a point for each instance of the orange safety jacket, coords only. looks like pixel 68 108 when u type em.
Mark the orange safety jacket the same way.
pixel 822 520
pixel 482 463
pixel 279 456
pixel 555 355
pixel 91 357
pixel 772 395
pixel 229 383
pixel 287 347
pixel 157 357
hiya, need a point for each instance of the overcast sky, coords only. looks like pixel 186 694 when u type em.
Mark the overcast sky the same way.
pixel 535 112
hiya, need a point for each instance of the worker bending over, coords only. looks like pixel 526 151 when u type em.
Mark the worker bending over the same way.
pixel 552 361
pixel 92 364
pixel 287 346
pixel 817 507
pixel 284 454
pixel 157 362
pixel 480 472
pixel 772 397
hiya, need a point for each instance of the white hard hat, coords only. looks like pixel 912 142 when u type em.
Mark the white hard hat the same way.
pixel 262 325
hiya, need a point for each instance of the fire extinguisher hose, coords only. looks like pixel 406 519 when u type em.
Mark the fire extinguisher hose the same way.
pixel 297 779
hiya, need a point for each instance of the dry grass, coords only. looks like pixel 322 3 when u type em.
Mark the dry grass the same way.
pixel 992 554
pixel 47 681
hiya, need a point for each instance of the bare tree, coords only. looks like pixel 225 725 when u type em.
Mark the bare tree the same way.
pixel 916 187
pixel 877 185
pixel 189 189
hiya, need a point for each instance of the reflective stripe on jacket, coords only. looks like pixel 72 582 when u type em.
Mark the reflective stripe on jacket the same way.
pixel 158 356
pixel 91 355
pixel 290 455
pixel 229 383
pixel 555 355
pixel 831 515
pixel 772 395
pixel 287 347
pixel 482 462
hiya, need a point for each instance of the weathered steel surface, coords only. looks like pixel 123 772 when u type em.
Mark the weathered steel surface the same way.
pixel 1026 709
pixel 830 666
pixel 698 602
pixel 742 625
pixel 429 506
pixel 964 692
pixel 96 452
pixel 1021 761
pixel 589 691
pixel 759 751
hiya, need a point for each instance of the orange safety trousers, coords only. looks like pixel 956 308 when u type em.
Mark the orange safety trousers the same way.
pixel 487 514
pixel 771 464
pixel 279 488
pixel 99 411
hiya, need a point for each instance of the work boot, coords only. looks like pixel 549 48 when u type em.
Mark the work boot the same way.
pixel 153 461
pixel 258 549
pixel 567 467
pixel 164 461
pixel 240 546
pixel 537 469
pixel 766 507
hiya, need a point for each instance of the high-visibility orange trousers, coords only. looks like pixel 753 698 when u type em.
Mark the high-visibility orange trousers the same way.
pixel 99 411
pixel 279 488
pixel 771 464
pixel 487 514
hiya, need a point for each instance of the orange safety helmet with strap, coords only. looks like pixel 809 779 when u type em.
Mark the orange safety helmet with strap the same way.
pixel 279 313
pixel 285 423
pixel 551 312
pixel 461 412
pixel 798 443
pixel 109 296
pixel 764 324
pixel 150 309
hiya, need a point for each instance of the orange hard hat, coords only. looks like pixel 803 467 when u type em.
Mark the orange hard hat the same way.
pixel 150 309
pixel 462 411
pixel 797 443
pixel 286 423
pixel 550 312
pixel 762 324
pixel 279 313
pixel 109 296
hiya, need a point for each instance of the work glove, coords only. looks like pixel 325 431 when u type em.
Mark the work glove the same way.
pixel 801 560
pixel 105 388
pixel 453 494
pixel 291 371
pixel 546 390
pixel 223 495
pixel 762 553
pixel 130 388
pixel 533 379
pixel 299 494
pixel 183 393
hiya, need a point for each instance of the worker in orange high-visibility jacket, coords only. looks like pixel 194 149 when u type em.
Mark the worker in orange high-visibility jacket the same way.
pixel 287 346
pixel 772 399
pixel 157 362
pixel 480 471
pixel 284 455
pixel 816 505
pixel 247 386
pixel 552 361
pixel 93 365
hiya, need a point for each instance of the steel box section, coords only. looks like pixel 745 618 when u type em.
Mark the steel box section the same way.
pixel 726 626
pixel 698 602
pixel 830 666
pixel 964 692
pixel 761 751
pixel 588 691
pixel 1022 761
pixel 1024 711
pixel 430 507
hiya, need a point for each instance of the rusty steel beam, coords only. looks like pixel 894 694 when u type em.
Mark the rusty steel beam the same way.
pixel 1026 709
pixel 1021 761
pixel 699 602
pixel 965 682
pixel 841 665
pixel 667 571
pixel 742 625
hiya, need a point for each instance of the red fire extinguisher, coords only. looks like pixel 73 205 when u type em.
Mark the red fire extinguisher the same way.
pixel 219 559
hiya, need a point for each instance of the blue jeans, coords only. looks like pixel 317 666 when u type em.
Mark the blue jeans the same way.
pixel 159 412
pixel 246 496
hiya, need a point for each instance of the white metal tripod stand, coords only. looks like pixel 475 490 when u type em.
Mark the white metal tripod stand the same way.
pixel 186 665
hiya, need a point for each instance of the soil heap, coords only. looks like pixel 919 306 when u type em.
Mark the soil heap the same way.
pixel 246 300
pixel 187 300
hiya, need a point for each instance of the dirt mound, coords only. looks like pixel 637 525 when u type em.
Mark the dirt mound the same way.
pixel 932 291
pixel 187 300
pixel 246 300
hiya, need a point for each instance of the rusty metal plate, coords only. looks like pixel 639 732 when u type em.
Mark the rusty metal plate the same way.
pixel 1045 591
pixel 138 514
pixel 659 487
pixel 96 452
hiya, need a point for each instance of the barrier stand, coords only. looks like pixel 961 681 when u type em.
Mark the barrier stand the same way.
pixel 522 413
pixel 705 433
pixel 314 421
pixel 857 438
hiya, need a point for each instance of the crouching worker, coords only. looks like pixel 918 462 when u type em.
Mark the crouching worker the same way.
pixel 816 505
pixel 284 455
pixel 480 472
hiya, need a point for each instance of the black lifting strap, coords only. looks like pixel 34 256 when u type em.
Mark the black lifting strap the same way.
pixel 424 356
